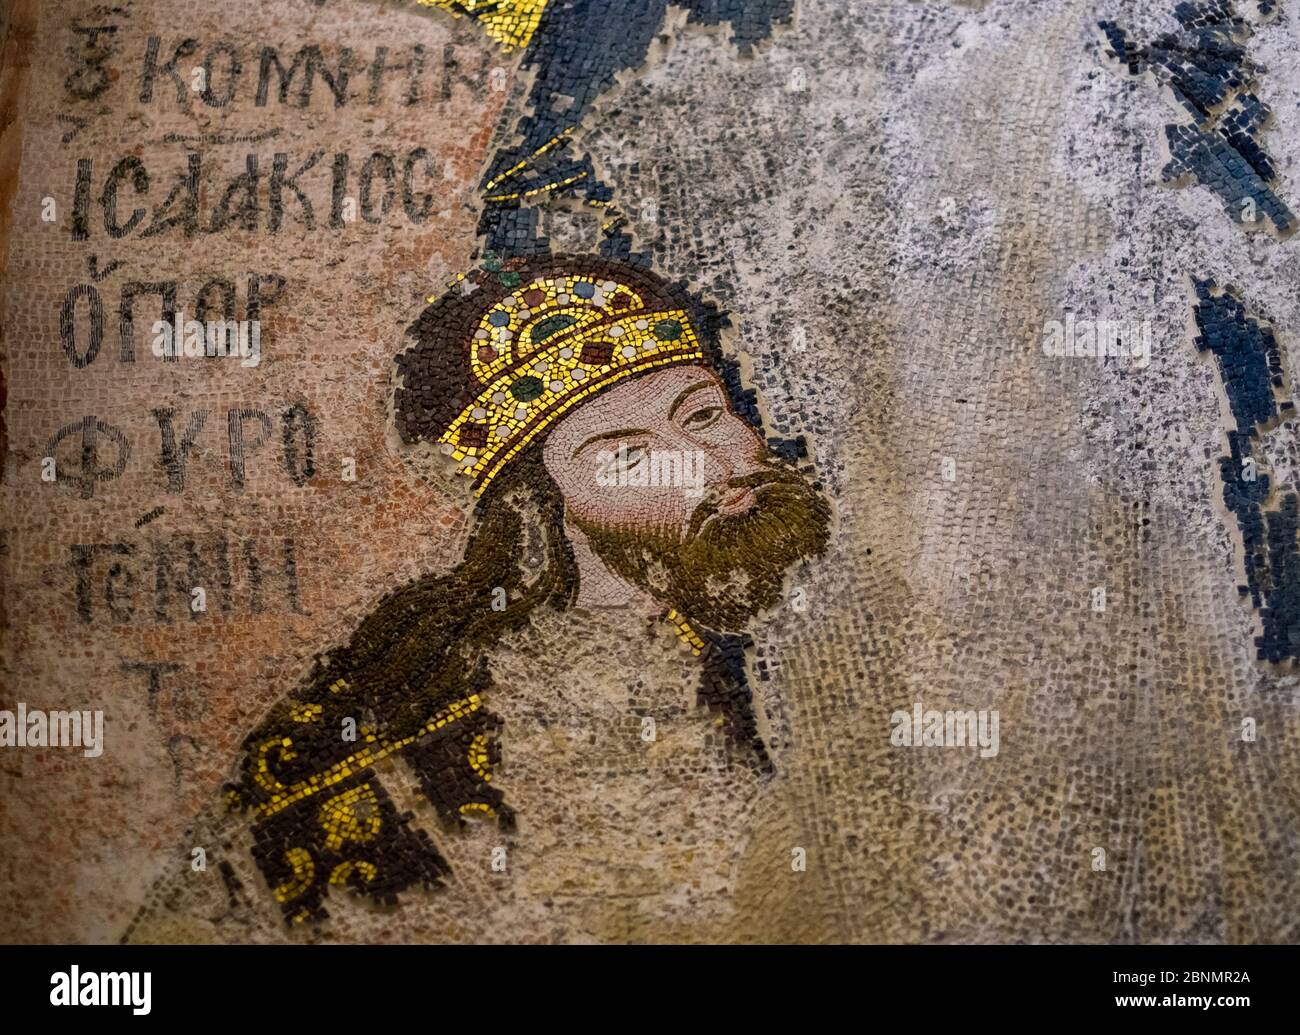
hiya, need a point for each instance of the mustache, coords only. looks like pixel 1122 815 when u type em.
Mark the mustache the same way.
pixel 709 506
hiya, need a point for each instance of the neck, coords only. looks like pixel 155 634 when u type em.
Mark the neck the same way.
pixel 598 587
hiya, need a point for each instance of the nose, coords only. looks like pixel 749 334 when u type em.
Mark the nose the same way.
pixel 731 450
pixel 738 457
pixel 745 465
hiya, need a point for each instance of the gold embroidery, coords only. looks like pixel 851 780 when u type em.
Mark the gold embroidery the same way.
pixel 263 774
pixel 304 872
pixel 363 759
pixel 520 195
pixel 523 164
pixel 343 871
pixel 685 633
pixel 353 816
pixel 478 757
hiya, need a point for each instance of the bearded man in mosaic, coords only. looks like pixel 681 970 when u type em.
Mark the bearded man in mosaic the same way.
pixel 558 387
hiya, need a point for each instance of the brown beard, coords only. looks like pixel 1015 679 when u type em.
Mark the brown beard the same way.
pixel 726 568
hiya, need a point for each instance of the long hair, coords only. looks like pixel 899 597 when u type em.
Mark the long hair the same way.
pixel 421 653
pixel 432 391
pixel 413 677
pixel 424 644
pixel 427 644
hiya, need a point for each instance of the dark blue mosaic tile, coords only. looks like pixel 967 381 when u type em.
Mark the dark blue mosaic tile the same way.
pixel 575 55
pixel 1250 367
pixel 1206 66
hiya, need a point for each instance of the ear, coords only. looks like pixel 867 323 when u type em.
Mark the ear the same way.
pixel 533 500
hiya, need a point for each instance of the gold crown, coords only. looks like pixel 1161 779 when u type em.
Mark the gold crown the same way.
pixel 546 347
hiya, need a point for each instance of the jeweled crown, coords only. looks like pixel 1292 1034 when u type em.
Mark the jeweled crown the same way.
pixel 547 346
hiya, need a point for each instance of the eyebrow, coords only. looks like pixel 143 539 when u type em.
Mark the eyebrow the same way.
pixel 681 398
pixel 610 434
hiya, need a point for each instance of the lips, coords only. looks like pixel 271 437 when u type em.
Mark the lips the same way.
pixel 731 501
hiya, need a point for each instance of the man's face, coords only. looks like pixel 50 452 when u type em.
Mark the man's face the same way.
pixel 677 494
pixel 643 455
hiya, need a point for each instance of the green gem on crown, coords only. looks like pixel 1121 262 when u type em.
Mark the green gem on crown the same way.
pixel 526 389
pixel 668 330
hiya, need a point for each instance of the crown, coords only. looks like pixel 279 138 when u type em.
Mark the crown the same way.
pixel 547 346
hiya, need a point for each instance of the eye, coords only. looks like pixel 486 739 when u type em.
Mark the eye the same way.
pixel 617 464
pixel 702 418
pixel 632 458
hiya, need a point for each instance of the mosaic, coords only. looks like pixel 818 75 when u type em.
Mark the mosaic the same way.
pixel 1207 68
pixel 568 471
pixel 565 335
pixel 1250 366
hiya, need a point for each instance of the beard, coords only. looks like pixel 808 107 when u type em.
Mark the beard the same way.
pixel 725 569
